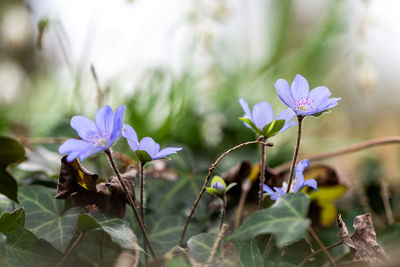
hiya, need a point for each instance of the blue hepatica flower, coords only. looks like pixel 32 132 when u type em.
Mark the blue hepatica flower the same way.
pixel 298 184
pixel 261 119
pixel 96 136
pixel 301 100
pixel 147 149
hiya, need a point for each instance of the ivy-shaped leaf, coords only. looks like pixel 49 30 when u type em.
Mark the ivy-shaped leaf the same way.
pixel 11 152
pixel 200 246
pixel 19 246
pixel 285 219
pixel 119 230
pixel 10 222
pixel 249 254
pixel 46 218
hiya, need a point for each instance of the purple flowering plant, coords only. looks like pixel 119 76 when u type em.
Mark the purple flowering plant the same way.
pixel 147 149
pixel 96 136
pixel 261 118
pixel 301 100
pixel 299 182
pixel 219 187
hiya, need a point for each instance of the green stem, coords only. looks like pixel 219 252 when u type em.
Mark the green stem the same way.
pixel 296 152
pixel 223 210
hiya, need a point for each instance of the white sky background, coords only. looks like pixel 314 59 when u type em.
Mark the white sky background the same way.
pixel 123 39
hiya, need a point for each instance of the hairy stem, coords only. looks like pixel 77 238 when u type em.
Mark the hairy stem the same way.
pixel 141 168
pixel 80 236
pixel 324 249
pixel 296 152
pixel 319 251
pixel 131 202
pixel 221 233
pixel 207 179
pixel 262 175
pixel 223 210
pixel 346 150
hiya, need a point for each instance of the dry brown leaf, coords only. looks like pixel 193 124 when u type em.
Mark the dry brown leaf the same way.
pixel 362 243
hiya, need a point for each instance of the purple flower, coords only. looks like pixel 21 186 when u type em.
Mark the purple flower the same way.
pixel 303 102
pixel 298 184
pixel 261 119
pixel 96 136
pixel 147 149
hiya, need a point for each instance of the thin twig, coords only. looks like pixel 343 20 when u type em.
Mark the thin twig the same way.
pixel 223 209
pixel 80 236
pixel 319 251
pixel 262 172
pixel 216 244
pixel 246 185
pixel 346 150
pixel 141 167
pixel 203 189
pixel 131 202
pixel 385 194
pixel 315 236
pixel 296 152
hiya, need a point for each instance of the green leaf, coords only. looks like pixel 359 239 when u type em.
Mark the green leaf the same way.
pixel 229 187
pixel 46 218
pixel 22 248
pixel 90 248
pixel 249 254
pixel 143 156
pixel 252 125
pixel 200 246
pixel 164 232
pixel 119 230
pixel 285 219
pixel 87 222
pixel 213 191
pixel 11 152
pixel 273 128
pixel 10 222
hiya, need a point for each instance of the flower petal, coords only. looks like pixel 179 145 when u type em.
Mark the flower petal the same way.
pixel 130 134
pixel 311 183
pixel 90 151
pixel 319 95
pixel 118 123
pixel 74 148
pixel 302 165
pixel 330 103
pixel 105 119
pixel 166 151
pixel 72 145
pixel 280 191
pixel 300 87
pixel 149 145
pixel 85 127
pixel 246 109
pixel 262 114
pixel 268 190
pixel 284 92
pixel 287 115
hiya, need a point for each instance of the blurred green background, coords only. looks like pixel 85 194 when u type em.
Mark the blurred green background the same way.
pixel 181 66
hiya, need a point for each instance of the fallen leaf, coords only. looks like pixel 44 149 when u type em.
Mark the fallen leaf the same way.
pixel 362 243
